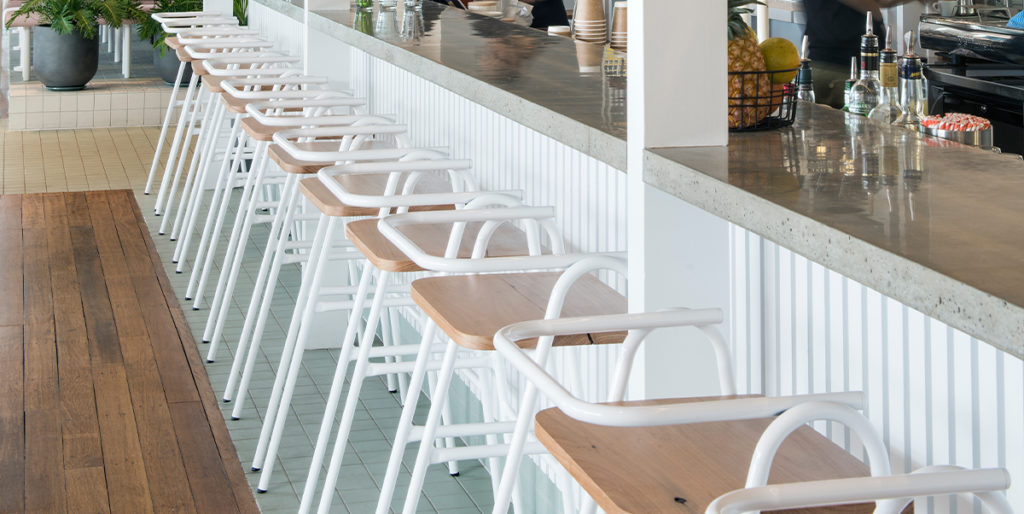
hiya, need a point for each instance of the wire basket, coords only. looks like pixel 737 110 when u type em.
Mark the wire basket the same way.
pixel 762 104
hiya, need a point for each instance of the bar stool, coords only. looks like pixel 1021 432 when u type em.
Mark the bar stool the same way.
pixel 627 455
pixel 173 102
pixel 983 484
pixel 296 158
pixel 212 25
pixel 384 262
pixel 381 263
pixel 470 308
pixel 263 120
pixel 250 52
pixel 234 94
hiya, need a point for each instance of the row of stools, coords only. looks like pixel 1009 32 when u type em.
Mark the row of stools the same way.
pixel 383 229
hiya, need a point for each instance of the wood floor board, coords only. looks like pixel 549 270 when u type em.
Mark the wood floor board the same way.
pixel 127 486
pixel 44 461
pixel 80 428
pixel 105 405
pixel 12 419
pixel 11 287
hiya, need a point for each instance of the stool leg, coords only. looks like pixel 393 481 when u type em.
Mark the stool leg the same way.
pixel 239 235
pixel 196 203
pixel 278 229
pixel 437 402
pixel 219 202
pixel 270 448
pixel 419 371
pixel 219 310
pixel 255 336
pixel 202 135
pixel 163 129
pixel 317 252
pixel 388 338
pixel 396 334
pixel 189 108
pixel 510 474
pixel 351 402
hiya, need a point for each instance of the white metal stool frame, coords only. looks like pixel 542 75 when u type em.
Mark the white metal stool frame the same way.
pixel 258 54
pixel 251 336
pixel 192 105
pixel 173 102
pixel 298 330
pixel 174 25
pixel 227 174
pixel 825 405
pixel 538 219
pixel 363 367
pixel 350 139
pixel 282 87
pixel 276 114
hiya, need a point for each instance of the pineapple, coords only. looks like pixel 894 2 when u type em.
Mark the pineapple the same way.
pixel 745 55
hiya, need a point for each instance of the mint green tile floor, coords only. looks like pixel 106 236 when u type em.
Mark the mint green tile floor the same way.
pixel 376 419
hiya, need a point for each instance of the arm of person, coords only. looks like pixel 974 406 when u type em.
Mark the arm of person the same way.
pixel 875 6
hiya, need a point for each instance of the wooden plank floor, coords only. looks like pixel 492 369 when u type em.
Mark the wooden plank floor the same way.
pixel 105 405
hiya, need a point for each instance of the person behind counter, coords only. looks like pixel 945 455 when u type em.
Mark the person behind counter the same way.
pixel 834 28
pixel 547 13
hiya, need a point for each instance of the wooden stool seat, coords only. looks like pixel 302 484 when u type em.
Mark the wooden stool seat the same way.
pixel 292 165
pixel 172 43
pixel 472 308
pixel 650 469
pixel 199 69
pixel 385 256
pixel 366 184
pixel 182 54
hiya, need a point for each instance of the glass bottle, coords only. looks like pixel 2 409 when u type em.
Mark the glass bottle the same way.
pixel 888 109
pixel 804 79
pixel 912 85
pixel 849 84
pixel 865 94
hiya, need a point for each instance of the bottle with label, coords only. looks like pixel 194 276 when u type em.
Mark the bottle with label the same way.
pixel 804 79
pixel 866 93
pixel 912 84
pixel 889 109
pixel 849 83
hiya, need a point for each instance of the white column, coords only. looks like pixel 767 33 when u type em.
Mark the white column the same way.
pixel 678 253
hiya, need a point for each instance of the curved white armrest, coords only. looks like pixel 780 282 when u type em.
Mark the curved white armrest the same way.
pixel 159 17
pixel 388 226
pixel 292 87
pixel 844 491
pixel 207 50
pixel 258 58
pixel 173 26
pixel 338 100
pixel 251 71
pixel 215 32
pixel 284 138
pixel 380 201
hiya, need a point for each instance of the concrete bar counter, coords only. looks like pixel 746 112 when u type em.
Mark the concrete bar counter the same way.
pixel 933 224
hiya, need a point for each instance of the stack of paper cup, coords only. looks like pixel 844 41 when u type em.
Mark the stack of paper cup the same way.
pixel 619 26
pixel 589 22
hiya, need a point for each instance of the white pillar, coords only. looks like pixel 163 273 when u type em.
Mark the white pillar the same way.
pixel 678 253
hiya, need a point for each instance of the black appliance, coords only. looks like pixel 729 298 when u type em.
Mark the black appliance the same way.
pixel 990 90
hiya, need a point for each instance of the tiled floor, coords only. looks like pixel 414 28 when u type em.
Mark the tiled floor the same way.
pixel 111 158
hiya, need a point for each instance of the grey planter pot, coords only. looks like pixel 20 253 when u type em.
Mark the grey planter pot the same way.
pixel 167 67
pixel 63 62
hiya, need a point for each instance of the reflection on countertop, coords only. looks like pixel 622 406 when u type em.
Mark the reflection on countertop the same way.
pixel 951 209
pixel 583 82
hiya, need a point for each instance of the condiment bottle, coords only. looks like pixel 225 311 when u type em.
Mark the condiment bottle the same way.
pixel 912 84
pixel 849 83
pixel 866 93
pixel 888 110
pixel 804 79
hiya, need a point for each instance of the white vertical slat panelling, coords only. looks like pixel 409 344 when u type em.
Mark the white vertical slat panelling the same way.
pixel 938 395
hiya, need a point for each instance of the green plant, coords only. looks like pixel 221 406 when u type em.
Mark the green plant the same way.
pixel 148 28
pixel 82 16
pixel 240 8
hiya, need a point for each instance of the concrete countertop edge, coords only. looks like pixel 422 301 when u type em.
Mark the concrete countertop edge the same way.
pixel 574 134
pixel 986 317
